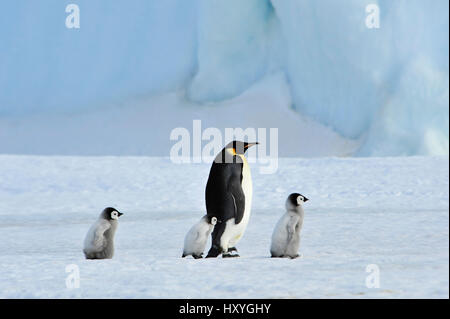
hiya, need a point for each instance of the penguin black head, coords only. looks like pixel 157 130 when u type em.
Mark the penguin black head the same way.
pixel 295 200
pixel 238 147
pixel 110 213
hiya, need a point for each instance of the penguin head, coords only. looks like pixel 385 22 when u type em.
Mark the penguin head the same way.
pixel 213 221
pixel 110 213
pixel 238 147
pixel 294 200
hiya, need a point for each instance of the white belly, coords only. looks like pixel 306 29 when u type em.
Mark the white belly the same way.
pixel 233 233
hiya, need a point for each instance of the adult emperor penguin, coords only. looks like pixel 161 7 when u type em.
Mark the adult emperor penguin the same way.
pixel 229 198
pixel 196 238
pixel 286 235
pixel 99 241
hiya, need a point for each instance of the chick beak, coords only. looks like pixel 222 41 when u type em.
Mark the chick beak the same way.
pixel 120 214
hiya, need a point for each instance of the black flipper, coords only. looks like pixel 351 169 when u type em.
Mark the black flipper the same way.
pixel 237 196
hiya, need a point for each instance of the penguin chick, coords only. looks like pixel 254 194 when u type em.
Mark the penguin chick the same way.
pixel 286 235
pixel 99 241
pixel 195 240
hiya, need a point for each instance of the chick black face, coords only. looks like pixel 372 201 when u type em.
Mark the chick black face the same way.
pixel 213 220
pixel 296 199
pixel 111 213
pixel 238 147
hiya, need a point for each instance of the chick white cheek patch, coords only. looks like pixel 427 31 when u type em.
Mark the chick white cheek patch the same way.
pixel 299 200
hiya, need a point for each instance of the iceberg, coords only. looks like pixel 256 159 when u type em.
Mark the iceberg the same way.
pixel 385 88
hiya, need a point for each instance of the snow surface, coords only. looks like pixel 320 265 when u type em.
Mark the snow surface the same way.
pixel 366 84
pixel 393 212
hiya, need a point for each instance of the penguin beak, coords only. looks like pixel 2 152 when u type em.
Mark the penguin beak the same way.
pixel 120 214
pixel 305 199
pixel 248 145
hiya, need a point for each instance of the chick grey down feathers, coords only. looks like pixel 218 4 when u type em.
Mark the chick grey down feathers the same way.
pixel 196 238
pixel 286 235
pixel 99 241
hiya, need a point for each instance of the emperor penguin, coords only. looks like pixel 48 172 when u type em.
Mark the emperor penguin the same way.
pixel 229 198
pixel 196 238
pixel 286 235
pixel 99 241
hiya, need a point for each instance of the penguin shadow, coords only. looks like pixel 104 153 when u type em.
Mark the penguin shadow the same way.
pixel 300 256
pixel 256 257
